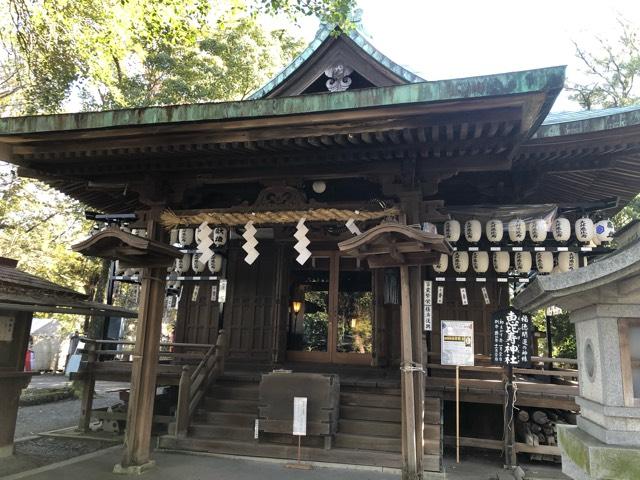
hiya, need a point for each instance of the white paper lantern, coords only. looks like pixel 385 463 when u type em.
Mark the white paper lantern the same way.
pixel 185 236
pixel 196 265
pixel 182 264
pixel 494 230
pixel 219 236
pixel 215 263
pixel 452 230
pixel 480 261
pixel 568 261
pixel 198 235
pixel 173 236
pixel 517 230
pixel 538 230
pixel 604 230
pixel 561 230
pixel 584 229
pixel 442 264
pixel 473 231
pixel 544 262
pixel 523 262
pixel 461 262
pixel 501 262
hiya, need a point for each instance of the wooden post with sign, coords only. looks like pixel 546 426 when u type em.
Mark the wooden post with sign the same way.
pixel 457 349
pixel 510 347
pixel 299 430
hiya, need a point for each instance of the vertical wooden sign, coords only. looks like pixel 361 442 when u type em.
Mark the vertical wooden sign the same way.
pixel 428 306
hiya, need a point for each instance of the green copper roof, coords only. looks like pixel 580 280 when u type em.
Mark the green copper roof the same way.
pixel 528 81
pixel 324 32
pixel 573 123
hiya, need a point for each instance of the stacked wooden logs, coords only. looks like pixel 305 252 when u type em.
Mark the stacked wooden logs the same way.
pixel 537 427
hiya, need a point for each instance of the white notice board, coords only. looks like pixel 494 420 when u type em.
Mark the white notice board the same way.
pixel 299 415
pixel 456 342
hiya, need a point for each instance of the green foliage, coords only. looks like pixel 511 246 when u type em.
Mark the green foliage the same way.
pixel 611 71
pixel 628 213
pixel 563 333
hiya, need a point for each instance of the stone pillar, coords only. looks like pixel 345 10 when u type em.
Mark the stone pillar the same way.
pixel 604 304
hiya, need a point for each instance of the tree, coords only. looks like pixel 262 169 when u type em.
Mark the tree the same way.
pixel 120 53
pixel 612 74
pixel 611 71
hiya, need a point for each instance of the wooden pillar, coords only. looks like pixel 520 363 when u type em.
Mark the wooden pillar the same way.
pixel 409 447
pixel 136 457
pixel 89 384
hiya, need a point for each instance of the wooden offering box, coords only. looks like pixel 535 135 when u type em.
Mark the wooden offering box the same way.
pixel 277 391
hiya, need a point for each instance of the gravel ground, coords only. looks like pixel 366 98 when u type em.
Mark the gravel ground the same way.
pixel 52 416
pixel 41 451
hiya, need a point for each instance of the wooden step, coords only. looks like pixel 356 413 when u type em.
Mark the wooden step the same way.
pixel 368 442
pixel 370 413
pixel 370 400
pixel 203 430
pixel 229 419
pixel 370 427
pixel 225 391
pixel 213 404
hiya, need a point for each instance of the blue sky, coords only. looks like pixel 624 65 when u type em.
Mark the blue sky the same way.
pixel 461 38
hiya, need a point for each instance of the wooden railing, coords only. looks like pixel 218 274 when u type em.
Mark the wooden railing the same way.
pixel 176 361
pixel 193 385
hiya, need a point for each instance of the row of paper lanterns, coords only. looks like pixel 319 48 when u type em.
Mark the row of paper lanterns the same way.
pixel 186 236
pixel 181 265
pixel 585 230
pixel 523 262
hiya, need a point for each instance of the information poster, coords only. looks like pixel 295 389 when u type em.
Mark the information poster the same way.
pixel 456 342
pixel 511 337
pixel 299 415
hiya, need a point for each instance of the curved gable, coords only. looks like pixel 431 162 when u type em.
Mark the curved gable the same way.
pixel 330 57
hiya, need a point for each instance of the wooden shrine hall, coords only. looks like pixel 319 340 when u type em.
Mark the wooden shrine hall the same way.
pixel 255 198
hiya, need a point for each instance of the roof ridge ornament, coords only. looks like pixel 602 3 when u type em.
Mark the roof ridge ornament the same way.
pixel 339 79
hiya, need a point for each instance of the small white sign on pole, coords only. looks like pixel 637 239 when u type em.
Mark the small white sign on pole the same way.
pixel 222 290
pixel 300 416
pixel 457 342
pixel 428 306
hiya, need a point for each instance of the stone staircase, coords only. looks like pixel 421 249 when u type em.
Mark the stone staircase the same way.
pixel 369 429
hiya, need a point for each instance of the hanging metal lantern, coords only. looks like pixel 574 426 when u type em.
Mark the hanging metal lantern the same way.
pixel 452 230
pixel 196 265
pixel 523 262
pixel 544 262
pixel 461 262
pixel 473 231
pixel 185 236
pixel 220 236
pixel 215 263
pixel 517 230
pixel 494 230
pixel 480 261
pixel 568 261
pixel 561 230
pixel 442 264
pixel 605 230
pixel 182 264
pixel 538 230
pixel 501 262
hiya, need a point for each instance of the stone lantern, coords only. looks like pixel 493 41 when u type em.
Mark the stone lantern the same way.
pixel 604 304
